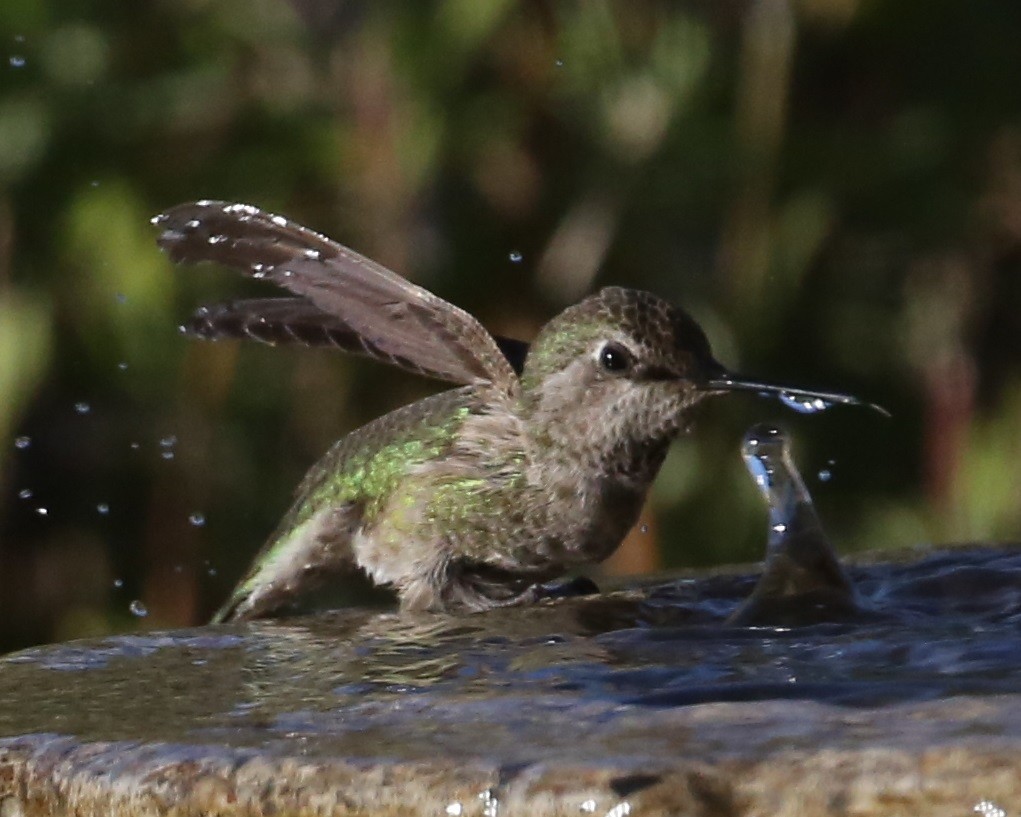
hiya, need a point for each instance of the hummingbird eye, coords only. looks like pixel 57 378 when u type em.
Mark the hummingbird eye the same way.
pixel 615 358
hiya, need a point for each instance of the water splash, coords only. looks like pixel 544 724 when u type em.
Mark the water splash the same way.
pixel 800 562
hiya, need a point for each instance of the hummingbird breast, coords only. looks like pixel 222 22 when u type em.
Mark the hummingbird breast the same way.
pixel 540 509
pixel 495 512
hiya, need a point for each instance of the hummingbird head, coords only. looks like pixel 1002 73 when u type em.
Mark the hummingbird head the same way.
pixel 617 369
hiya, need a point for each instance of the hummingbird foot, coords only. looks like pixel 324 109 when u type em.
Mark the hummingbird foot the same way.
pixel 578 586
pixel 484 588
pixel 547 591
pixel 570 588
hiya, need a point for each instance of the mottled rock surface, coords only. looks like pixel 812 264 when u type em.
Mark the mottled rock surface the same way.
pixel 639 702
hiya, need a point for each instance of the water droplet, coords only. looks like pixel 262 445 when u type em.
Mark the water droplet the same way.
pixel 197 519
pixel 490 803
pixel 237 207
pixel 192 223
pixel 825 475
pixel 805 403
pixel 622 809
pixel 134 446
pixel 169 441
pixel 42 511
pixel 216 239
pixel 16 61
pixel 167 455
pixel 118 583
pixel 515 257
pixel 123 366
pixel 779 527
pixel 94 183
pixel 25 493
pixel 102 509
pixel 312 255
pixel 121 298
pixel 21 443
pixel 454 809
pixel 644 528
pixel 82 408
pixel 559 63
pixel 987 808
pixel 211 571
pixel 138 609
pixel 19 38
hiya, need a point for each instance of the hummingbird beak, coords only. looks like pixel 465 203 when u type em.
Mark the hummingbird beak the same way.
pixel 806 401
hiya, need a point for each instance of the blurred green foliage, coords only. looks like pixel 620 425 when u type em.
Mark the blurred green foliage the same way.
pixel 833 187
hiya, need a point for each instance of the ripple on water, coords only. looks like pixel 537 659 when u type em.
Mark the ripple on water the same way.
pixel 940 627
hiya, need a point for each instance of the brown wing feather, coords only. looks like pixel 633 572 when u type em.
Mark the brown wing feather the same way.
pixel 394 319
pixel 297 321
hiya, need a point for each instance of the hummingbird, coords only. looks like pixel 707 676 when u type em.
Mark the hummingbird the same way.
pixel 535 463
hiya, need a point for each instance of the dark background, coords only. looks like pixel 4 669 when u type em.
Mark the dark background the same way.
pixel 832 187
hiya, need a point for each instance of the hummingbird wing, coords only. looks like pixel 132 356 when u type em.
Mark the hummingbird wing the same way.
pixel 287 568
pixel 392 318
pixel 342 497
pixel 299 321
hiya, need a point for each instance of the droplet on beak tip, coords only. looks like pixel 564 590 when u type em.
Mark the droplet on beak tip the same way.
pixel 805 401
